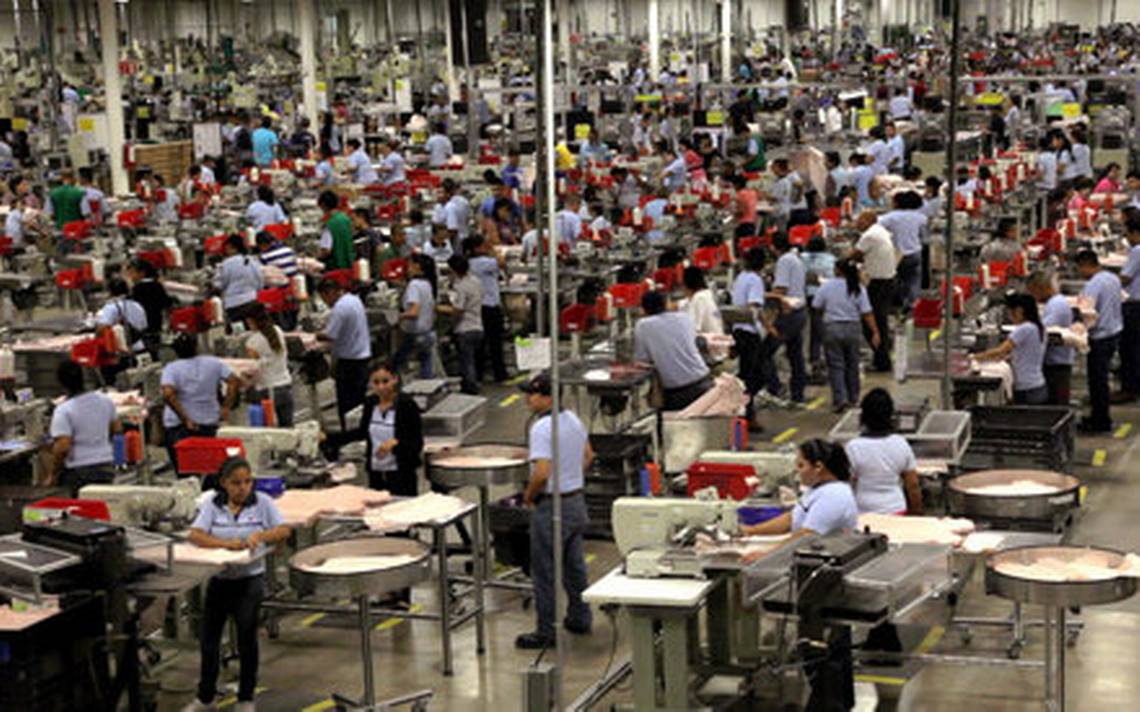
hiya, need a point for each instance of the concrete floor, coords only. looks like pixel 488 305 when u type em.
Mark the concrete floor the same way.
pixel 308 662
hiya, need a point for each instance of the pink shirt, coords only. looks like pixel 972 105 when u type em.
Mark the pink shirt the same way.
pixel 1107 185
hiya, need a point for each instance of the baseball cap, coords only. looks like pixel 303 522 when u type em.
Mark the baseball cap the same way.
pixel 538 384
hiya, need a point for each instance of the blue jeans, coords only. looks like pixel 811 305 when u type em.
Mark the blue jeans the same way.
pixel 909 277
pixel 791 328
pixel 841 341
pixel 420 346
pixel 469 344
pixel 574 575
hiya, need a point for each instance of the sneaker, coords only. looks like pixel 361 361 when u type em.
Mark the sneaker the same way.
pixel 576 628
pixel 534 641
pixel 199 706
pixel 839 408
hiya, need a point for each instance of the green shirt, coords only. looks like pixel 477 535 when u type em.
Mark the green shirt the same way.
pixel 758 162
pixel 339 226
pixel 66 204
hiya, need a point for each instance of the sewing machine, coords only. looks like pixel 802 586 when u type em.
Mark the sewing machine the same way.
pixel 302 440
pixel 23 420
pixel 150 507
pixel 654 523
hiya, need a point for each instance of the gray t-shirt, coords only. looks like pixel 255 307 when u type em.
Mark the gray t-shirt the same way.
pixel 467 296
pixel 877 467
pixel 669 341
pixel 419 292
pixel 791 274
pixel 196 381
pixel 1028 356
pixel 87 420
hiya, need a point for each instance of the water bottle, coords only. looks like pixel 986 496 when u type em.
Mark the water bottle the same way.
pixel 256 416
pixel 119 447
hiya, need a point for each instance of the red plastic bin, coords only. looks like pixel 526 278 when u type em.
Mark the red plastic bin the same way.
pixel 928 313
pixel 160 259
pixel 707 257
pixel 54 507
pixel 91 353
pixel 276 300
pixel 215 245
pixel 191 211
pixel 627 295
pixel 280 231
pixel 70 279
pixel 394 270
pixel 731 481
pixel 577 318
pixel 76 230
pixel 131 219
pixel 204 456
pixel 343 277
pixel 186 320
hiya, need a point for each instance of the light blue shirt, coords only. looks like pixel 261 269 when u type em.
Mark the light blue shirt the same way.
pixel 1047 170
pixel 1082 160
pixel 655 210
pixel 880 155
pixel 264 141
pixel 94 196
pixel 393 165
pixel 896 152
pixel 259 214
pixel 676 174
pixel 86 419
pixel 258 515
pixel 487 270
pixel 820 264
pixel 456 215
pixel 828 508
pixel 838 305
pixel 196 381
pixel 1131 270
pixel 419 292
pixel 906 228
pixel 1105 290
pixel 861 177
pixel 877 467
pixel 440 253
pixel 572 440
pixel 1057 312
pixel 748 291
pixel 1028 357
pixel 361 165
pixel 324 173
pixel 239 279
pixel 569 226
pixel 669 342
pixel 841 177
pixel 123 311
pixel 791 274
pixel 348 328
pixel 439 150
pixel 416 236
pixel 14 226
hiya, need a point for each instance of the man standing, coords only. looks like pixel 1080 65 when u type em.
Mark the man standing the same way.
pixel 668 341
pixel 392 163
pixel 1104 336
pixel 574 456
pixel 790 282
pixel 875 250
pixel 347 331
pixel 906 224
pixel 438 147
pixel 336 246
pixel 65 201
pixel 1130 338
pixel 486 267
pixel 748 293
pixel 360 163
pixel 264 143
pixel 1058 367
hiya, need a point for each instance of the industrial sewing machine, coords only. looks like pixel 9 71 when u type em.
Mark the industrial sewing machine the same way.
pixel 655 535
pixel 269 447
pixel 170 507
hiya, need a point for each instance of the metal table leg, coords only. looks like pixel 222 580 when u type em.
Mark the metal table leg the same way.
pixel 675 662
pixel 1048 657
pixel 477 532
pixel 1059 643
pixel 484 568
pixel 440 543
pixel 366 650
pixel 644 661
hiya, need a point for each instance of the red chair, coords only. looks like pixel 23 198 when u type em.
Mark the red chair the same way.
pixel 394 270
pixel 191 211
pixel 276 300
pixel 744 244
pixel 666 278
pixel 160 259
pixel 70 279
pixel 993 274
pixel 799 235
pixel 832 216
pixel 215 246
pixel 280 231
pixel 133 219
pixel 627 295
pixel 928 313
pixel 186 320
pixel 77 230
pixel 708 257
pixel 343 277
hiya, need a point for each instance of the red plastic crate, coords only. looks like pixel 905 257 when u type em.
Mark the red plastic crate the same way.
pixel 343 277
pixel 731 481
pixel 131 218
pixel 707 257
pixel 91 353
pixel 577 318
pixel 70 279
pixel 280 231
pixel 277 299
pixel 5 246
pixel 54 507
pixel 160 259
pixel 627 295
pixel 186 320
pixel 204 456
pixel 665 279
pixel 999 274
pixel 394 270
pixel 215 245
pixel 76 230
pixel 744 244
pixel 191 211
pixel 801 234
pixel 928 313
pixel 831 216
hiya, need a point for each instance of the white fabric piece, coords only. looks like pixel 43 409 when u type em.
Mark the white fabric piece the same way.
pixel 917 530
pixel 359 564
pixel 726 397
pixel 397 516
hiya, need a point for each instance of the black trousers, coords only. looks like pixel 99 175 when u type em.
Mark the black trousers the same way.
pixel 881 293
pixel 1059 381
pixel 1099 360
pixel 78 477
pixel 752 358
pixel 1130 349
pixel 493 337
pixel 239 599
pixel 681 397
pixel 351 378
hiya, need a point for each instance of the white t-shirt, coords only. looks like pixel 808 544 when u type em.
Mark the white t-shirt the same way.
pixel 272 366
pixel 706 314
pixel 878 252
pixel 877 466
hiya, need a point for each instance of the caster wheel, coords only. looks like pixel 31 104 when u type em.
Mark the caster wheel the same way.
pixel 1014 651
pixel 967 637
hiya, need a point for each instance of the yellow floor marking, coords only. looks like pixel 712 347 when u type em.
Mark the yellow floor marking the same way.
pixel 881 680
pixel 1082 494
pixel 232 699
pixel 311 620
pixel 517 380
pixel 1099 457
pixel 320 706
pixel 590 558
pixel 509 400
pixel 1122 431
pixel 930 640
pixel 934 335
pixel 785 436
pixel 393 622
pixel 817 403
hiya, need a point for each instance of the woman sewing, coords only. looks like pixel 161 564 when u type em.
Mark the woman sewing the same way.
pixel 1025 349
pixel 828 507
pixel 236 518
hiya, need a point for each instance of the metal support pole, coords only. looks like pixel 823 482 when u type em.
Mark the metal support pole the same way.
pixel 440 543
pixel 365 619
pixel 113 91
pixel 449 65
pixel 547 123
pixel 308 32
pixel 391 30
pixel 726 41
pixel 952 171
pixel 654 30
pixel 472 125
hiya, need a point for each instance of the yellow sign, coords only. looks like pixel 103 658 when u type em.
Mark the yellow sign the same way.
pixel 418 137
pixel 990 98
pixel 868 119
pixel 1070 110
pixel 400 84
pixel 87 124
pixel 19 124
pixel 642 98
pixel 581 131
pixel 714 118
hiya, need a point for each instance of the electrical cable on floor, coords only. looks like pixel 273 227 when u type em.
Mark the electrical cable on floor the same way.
pixel 611 614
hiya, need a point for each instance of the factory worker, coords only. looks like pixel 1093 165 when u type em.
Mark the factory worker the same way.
pixel 512 176
pixel 265 142
pixel 391 163
pixel 844 304
pixel 593 149
pixel 700 303
pixel 347 332
pixel 876 251
pixel 575 456
pixel 1056 311
pixel 81 430
pixel 505 226
pixel 331 133
pixel 266 343
pixel 884 471
pixel 65 201
pixel 438 147
pixel 418 230
pixel 487 267
pixel 121 310
pixel 1005 243
pixel 190 386
pixel 7 159
pixel 932 201
pixel 789 196
pixel 14 225
pixel 417 321
pixel 667 340
pixel 360 164
pixel 901 107
pixel 1046 166
pixel 237 518
pixel 567 222
pixel 828 506
pixel 748 292
pixel 878 151
pixel 838 177
pixel 336 246
pixel 302 141
pixel 1025 350
pixel 676 174
pixel 323 173
pixel 820 264
pixel 906 223
pixel 165 201
pixel 790 280
pixel 1063 149
pixel 1104 289
pixel 627 188
pixel 860 176
pixel 1082 155
pixel 746 204
pixel 1130 312
pixel 152 296
pixel 266 210
pixel 655 210
pixel 439 247
pixel 1108 182
pixel 455 212
pixel 238 279
pixel 466 309
pixel 896 149
pixel 271 252
pixel 94 206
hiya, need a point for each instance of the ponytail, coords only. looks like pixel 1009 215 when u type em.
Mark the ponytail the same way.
pixel 833 457
pixel 266 327
pixel 1028 307
pixel 850 272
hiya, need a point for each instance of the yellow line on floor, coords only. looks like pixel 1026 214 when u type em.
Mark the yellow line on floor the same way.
pixel 1099 457
pixel 785 436
pixel 509 400
pixel 934 335
pixel 312 620
pixel 590 558
pixel 1082 494
pixel 1122 431
pixel 393 622
pixel 517 380
pixel 320 706
pixel 232 699
pixel 881 680
pixel 817 403
pixel 930 640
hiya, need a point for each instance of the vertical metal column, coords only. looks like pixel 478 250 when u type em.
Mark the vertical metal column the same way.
pixel 654 31
pixel 365 622
pixel 726 41
pixel 952 170
pixel 439 541
pixel 113 92
pixel 308 31
pixel 468 81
